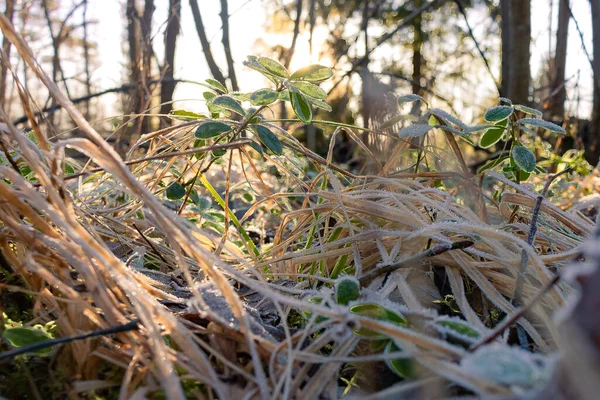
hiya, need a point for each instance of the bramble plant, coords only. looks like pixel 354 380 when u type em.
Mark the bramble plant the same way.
pixel 517 162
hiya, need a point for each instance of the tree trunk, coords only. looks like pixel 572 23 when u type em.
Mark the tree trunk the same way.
pixel 167 87
pixel 417 60
pixel 506 36
pixel 516 24
pixel 594 146
pixel 212 65
pixel 558 94
pixel 86 59
pixel 227 46
pixel 6 45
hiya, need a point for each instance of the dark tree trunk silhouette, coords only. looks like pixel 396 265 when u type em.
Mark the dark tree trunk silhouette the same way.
pixel 558 93
pixel 168 86
pixel 506 37
pixel 139 35
pixel 86 58
pixel 290 53
pixel 227 46
pixel 417 58
pixel 6 46
pixel 594 146
pixel 212 65
pixel 516 53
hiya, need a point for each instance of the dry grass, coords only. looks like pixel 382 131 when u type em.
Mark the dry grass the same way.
pixel 71 240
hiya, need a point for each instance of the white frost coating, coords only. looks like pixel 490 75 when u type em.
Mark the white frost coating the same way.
pixel 414 130
pixel 508 366
pixel 443 114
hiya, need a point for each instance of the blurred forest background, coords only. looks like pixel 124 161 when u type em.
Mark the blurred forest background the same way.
pixel 134 57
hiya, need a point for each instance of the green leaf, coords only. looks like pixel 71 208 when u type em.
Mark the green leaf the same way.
pixel 492 164
pixel 498 113
pixel 313 73
pixel 213 83
pixel 256 147
pixel 347 289
pixel 528 110
pixel 203 203
pixel 310 90
pixel 448 117
pixel 253 63
pixel 477 128
pixel 244 235
pixel 301 107
pixel 211 129
pixel 284 95
pixel 239 96
pixel 208 95
pixel 248 198
pixel 228 103
pixel 184 115
pixel 269 139
pixel 506 101
pixel 175 191
pixel 524 158
pixel 403 367
pixel 506 365
pixel 22 336
pixel 378 312
pixel 493 135
pixel 392 121
pixel 194 197
pixel 319 104
pixel 414 130
pixel 274 67
pixel 540 123
pixel 459 327
pixel 263 97
pixel 219 153
pixel 410 98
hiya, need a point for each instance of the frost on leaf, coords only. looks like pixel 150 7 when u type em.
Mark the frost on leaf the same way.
pixel 540 123
pixel 507 365
pixel 414 130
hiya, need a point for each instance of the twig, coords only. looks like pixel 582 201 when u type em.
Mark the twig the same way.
pixel 152 246
pixel 130 326
pixel 405 22
pixel 485 61
pixel 531 236
pixel 518 314
pixel 433 251
pixel 123 88
pixel 585 50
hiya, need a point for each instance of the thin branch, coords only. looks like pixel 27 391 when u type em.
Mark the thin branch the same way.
pixel 506 323
pixel 431 252
pixel 227 46
pixel 587 54
pixel 290 53
pixel 212 65
pixel 123 88
pixel 171 33
pixel 405 22
pixel 531 237
pixel 130 326
pixel 483 57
